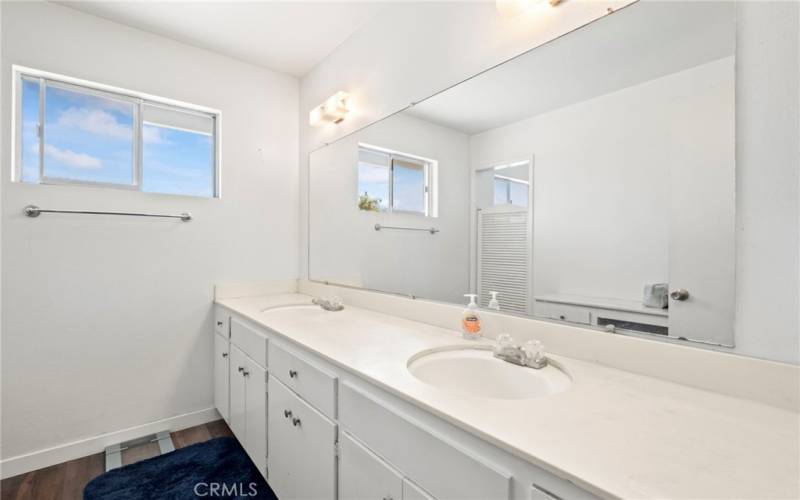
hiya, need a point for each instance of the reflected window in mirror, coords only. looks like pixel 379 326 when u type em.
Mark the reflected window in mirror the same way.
pixel 510 191
pixel 394 182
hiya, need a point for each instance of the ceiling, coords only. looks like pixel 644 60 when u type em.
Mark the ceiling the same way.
pixel 289 37
pixel 644 41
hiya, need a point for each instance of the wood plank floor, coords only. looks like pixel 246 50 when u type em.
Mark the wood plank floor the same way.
pixel 67 480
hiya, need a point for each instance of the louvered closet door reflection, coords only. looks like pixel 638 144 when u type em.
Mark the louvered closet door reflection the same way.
pixel 504 257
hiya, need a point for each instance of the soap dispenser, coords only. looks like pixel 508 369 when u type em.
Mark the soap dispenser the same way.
pixel 493 303
pixel 471 327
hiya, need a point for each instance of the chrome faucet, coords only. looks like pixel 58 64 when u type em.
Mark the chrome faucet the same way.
pixel 332 304
pixel 530 355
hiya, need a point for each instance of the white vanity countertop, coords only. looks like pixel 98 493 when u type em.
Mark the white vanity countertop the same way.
pixel 614 433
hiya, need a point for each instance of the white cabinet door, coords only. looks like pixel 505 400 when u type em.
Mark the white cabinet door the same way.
pixel 282 441
pixel 301 447
pixel 238 362
pixel 413 492
pixel 255 383
pixel 363 475
pixel 221 376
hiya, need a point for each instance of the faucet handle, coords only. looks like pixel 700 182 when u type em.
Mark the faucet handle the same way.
pixel 535 353
pixel 504 341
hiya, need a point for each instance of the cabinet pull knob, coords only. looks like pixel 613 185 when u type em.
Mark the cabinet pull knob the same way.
pixel 679 294
pixel 245 373
pixel 292 374
pixel 219 323
pixel 224 354
pixel 287 413
pixel 241 369
pixel 296 422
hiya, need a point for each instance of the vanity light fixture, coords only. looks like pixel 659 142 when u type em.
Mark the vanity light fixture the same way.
pixel 513 8
pixel 333 110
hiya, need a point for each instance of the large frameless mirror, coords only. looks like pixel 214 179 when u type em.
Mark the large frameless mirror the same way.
pixel 590 181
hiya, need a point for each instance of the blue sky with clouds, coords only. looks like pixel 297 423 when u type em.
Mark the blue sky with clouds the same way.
pixel 409 186
pixel 90 138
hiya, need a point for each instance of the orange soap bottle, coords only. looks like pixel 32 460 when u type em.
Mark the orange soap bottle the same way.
pixel 471 327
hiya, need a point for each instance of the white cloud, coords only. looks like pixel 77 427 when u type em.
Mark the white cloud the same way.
pixel 95 121
pixel 372 174
pixel 152 135
pixel 71 158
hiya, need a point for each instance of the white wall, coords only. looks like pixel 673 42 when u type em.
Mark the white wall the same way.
pixel 106 321
pixel 767 180
pixel 415 50
pixel 344 246
pixel 602 215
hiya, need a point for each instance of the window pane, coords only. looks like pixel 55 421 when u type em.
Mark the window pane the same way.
pixel 177 152
pixel 500 191
pixel 88 137
pixel 519 194
pixel 373 180
pixel 409 187
pixel 29 155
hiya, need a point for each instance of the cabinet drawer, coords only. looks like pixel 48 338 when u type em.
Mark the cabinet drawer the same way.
pixel 311 382
pixel 221 322
pixel 447 472
pixel 250 341
pixel 571 314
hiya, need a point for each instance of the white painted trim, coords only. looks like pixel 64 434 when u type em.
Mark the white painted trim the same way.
pixel 96 444
pixel 117 91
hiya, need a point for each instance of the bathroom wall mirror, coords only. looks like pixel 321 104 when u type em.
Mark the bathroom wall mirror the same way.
pixel 593 190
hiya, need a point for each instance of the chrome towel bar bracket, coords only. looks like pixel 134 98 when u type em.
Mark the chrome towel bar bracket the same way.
pixel 34 211
pixel 431 230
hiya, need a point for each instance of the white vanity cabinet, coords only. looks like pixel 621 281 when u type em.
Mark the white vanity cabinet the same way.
pixel 222 375
pixel 302 444
pixel 330 434
pixel 238 396
pixel 362 474
pixel 413 492
pixel 248 396
pixel 240 384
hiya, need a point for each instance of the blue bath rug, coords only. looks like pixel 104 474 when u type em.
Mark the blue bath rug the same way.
pixel 215 469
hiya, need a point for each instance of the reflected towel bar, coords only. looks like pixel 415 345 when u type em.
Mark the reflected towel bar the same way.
pixel 34 211
pixel 431 230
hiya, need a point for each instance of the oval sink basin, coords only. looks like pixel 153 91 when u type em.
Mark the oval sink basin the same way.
pixel 476 372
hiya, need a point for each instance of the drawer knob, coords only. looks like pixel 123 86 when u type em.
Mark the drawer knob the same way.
pixel 287 413
pixel 224 354
pixel 292 374
pixel 241 369
pixel 245 373
pixel 296 422
pixel 219 323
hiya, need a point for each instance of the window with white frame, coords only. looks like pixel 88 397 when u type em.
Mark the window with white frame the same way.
pixel 75 132
pixel 510 191
pixel 395 182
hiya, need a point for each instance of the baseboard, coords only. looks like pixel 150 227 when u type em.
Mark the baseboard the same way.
pixel 83 447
